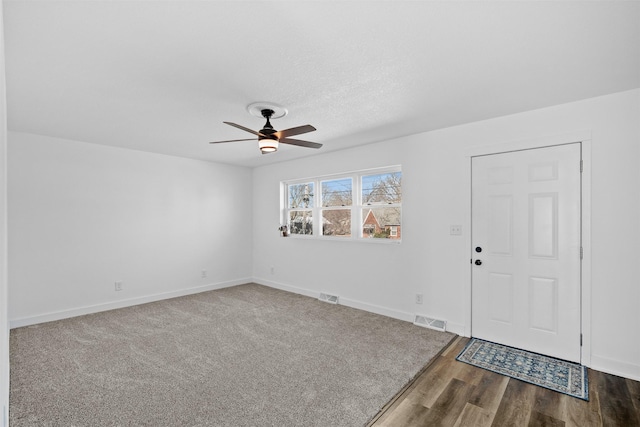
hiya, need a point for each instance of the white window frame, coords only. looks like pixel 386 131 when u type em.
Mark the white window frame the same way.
pixel 322 208
pixel 356 208
pixel 312 209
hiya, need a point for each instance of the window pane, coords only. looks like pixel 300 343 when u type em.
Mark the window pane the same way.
pixel 337 192
pixel 301 195
pixel 381 223
pixel 336 222
pixel 384 188
pixel 300 222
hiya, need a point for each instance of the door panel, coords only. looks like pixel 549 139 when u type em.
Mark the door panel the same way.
pixel 501 297
pixel 543 304
pixel 526 220
pixel 543 219
pixel 500 236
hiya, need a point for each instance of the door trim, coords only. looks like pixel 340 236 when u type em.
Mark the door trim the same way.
pixel 584 138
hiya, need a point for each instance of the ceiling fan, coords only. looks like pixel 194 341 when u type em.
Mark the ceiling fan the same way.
pixel 269 138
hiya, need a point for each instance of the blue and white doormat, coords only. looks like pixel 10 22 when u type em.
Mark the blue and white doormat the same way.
pixel 555 374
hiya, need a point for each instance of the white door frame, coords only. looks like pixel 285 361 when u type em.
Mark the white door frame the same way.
pixel 584 137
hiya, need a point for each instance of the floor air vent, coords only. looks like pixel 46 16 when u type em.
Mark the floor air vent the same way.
pixel 428 322
pixel 331 299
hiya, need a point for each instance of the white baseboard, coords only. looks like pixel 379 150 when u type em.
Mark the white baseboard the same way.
pixel 81 311
pixel 288 288
pixel 342 301
pixel 372 308
pixel 615 367
pixel 456 328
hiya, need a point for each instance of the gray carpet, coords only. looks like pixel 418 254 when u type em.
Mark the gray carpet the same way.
pixel 242 356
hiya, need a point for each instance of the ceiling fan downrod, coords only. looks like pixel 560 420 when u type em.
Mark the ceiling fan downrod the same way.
pixel 266 113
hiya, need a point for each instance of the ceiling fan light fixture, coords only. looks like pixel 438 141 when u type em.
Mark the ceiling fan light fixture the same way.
pixel 268 145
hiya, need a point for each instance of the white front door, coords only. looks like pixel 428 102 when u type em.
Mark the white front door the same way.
pixel 526 222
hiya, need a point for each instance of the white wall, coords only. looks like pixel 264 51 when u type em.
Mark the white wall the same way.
pixel 436 188
pixel 4 323
pixel 82 216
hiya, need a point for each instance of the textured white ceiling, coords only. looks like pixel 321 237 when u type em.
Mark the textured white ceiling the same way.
pixel 162 76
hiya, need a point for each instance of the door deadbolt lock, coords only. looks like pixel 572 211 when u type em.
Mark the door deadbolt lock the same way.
pixel 478 249
pixel 478 262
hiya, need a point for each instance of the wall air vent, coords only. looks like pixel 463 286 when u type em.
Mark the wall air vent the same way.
pixel 428 322
pixel 331 299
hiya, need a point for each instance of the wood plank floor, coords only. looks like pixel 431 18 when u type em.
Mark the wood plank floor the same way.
pixel 452 393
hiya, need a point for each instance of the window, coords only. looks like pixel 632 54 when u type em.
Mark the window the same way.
pixel 381 200
pixel 336 200
pixel 301 204
pixel 358 205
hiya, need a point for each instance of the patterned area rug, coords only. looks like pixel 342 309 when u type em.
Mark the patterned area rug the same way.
pixel 555 374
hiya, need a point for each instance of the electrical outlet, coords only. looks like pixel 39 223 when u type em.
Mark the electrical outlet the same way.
pixel 418 298
pixel 455 230
pixel 204 274
pixel 273 270
pixel 118 286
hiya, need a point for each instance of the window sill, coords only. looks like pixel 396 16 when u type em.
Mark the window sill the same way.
pixel 372 241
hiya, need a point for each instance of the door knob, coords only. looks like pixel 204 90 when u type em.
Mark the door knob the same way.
pixel 478 262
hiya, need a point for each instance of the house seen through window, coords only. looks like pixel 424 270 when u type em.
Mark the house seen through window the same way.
pixel 381 200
